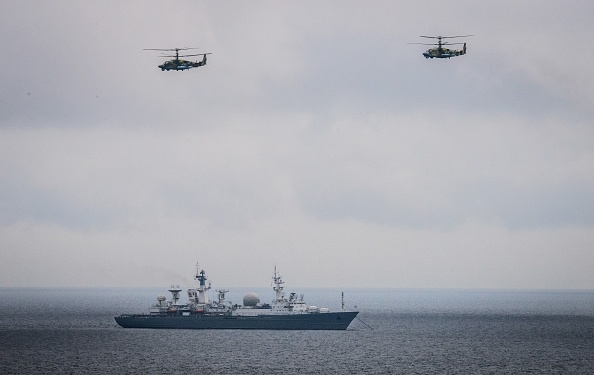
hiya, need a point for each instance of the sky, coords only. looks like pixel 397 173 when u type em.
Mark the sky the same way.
pixel 316 139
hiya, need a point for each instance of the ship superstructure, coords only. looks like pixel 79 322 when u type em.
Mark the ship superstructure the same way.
pixel 201 313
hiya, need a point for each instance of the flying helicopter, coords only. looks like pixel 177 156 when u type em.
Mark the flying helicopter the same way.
pixel 440 52
pixel 176 63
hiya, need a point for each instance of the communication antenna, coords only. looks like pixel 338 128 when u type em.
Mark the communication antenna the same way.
pixel 174 290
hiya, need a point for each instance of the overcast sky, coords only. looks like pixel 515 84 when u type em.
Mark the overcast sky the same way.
pixel 315 139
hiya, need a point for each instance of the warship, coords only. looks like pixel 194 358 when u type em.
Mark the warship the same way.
pixel 283 313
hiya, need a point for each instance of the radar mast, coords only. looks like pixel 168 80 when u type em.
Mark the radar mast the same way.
pixel 278 288
pixel 202 289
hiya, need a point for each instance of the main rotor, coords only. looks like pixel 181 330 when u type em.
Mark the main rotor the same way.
pixel 177 55
pixel 439 38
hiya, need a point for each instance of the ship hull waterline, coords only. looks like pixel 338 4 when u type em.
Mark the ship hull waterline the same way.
pixel 319 321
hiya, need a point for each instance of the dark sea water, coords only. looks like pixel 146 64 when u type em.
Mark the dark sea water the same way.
pixel 72 331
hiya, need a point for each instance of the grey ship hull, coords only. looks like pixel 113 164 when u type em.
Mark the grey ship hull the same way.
pixel 317 321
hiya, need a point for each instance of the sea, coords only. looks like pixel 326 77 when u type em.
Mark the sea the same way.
pixel 398 331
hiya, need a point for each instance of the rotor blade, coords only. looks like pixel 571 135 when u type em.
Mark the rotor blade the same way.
pixel 445 37
pixel 198 54
pixel 162 49
pixel 167 49
pixel 457 36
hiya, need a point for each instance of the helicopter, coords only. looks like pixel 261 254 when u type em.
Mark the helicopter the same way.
pixel 176 63
pixel 440 52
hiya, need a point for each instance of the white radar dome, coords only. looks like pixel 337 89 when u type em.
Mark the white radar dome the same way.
pixel 251 299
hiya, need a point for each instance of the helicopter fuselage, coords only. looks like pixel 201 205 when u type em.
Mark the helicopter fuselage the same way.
pixel 443 53
pixel 181 64
pixel 178 64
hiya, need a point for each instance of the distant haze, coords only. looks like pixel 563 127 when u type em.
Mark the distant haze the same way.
pixel 315 139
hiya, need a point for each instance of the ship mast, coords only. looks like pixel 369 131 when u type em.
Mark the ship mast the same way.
pixel 202 289
pixel 278 288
